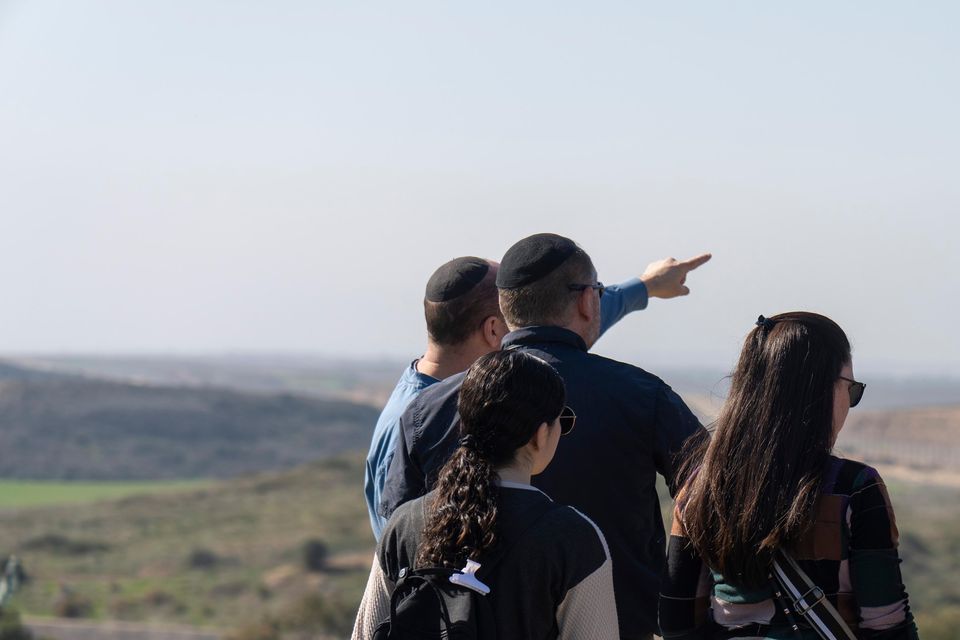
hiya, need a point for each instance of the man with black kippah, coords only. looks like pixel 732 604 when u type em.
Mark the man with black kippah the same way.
pixel 630 425
pixel 464 322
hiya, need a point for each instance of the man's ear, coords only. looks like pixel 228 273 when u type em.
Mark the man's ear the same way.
pixel 586 307
pixel 493 331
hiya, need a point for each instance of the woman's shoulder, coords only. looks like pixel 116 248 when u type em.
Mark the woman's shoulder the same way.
pixel 568 537
pixel 848 476
pixel 401 537
pixel 554 518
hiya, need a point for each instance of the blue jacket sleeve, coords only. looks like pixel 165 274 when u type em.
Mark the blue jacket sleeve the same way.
pixel 620 299
pixel 404 479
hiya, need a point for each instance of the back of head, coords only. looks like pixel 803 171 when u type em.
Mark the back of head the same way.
pixel 760 474
pixel 459 296
pixel 504 398
pixel 534 280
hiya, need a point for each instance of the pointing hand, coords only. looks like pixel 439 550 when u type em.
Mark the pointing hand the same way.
pixel 667 278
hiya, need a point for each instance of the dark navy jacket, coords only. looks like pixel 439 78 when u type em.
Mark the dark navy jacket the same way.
pixel 630 426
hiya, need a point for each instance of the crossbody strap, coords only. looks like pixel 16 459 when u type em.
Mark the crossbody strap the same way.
pixel 808 600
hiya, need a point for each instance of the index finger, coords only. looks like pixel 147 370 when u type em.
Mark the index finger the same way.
pixel 693 263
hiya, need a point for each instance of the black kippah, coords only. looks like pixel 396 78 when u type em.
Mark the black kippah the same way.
pixel 455 278
pixel 533 258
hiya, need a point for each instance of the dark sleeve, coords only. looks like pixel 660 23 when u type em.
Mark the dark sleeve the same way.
pixel 674 424
pixel 405 479
pixel 875 563
pixel 684 590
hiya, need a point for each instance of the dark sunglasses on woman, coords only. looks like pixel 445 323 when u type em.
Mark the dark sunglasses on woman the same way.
pixel 856 391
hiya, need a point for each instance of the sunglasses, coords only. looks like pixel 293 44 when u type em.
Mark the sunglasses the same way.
pixel 567 419
pixel 856 391
pixel 580 287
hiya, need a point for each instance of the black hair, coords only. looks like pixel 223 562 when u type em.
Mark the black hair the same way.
pixel 753 486
pixel 450 323
pixel 504 398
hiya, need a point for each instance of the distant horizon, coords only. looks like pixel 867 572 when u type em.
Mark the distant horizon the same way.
pixel 316 357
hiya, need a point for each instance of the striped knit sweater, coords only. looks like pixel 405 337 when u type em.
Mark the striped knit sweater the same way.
pixel 850 553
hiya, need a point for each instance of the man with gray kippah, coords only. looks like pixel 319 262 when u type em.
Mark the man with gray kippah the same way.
pixel 629 423
pixel 464 322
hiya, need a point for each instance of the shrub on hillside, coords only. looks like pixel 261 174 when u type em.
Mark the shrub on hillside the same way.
pixel 316 613
pixel 315 554
pixel 203 559
pixel 62 545
pixel 70 604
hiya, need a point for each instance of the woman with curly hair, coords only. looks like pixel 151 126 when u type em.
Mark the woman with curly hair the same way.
pixel 767 482
pixel 552 576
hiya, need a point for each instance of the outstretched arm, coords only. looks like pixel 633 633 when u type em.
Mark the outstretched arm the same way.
pixel 661 279
pixel 667 278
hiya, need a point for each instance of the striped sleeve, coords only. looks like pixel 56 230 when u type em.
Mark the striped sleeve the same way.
pixel 589 608
pixel 684 589
pixel 875 563
pixel 375 605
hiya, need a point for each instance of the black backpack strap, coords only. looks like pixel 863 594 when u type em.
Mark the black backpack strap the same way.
pixel 408 579
pixel 808 600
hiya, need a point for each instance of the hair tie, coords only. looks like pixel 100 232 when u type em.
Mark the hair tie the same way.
pixel 765 323
pixel 469 442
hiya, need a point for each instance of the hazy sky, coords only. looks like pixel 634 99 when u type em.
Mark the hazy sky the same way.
pixel 181 176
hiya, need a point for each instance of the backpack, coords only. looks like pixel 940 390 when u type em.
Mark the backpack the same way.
pixel 426 605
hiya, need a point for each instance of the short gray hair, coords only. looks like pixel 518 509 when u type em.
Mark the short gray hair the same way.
pixel 549 300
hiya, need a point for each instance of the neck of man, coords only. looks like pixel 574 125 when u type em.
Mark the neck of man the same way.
pixel 443 361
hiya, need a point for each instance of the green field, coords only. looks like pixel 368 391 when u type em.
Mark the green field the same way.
pixel 230 554
pixel 18 494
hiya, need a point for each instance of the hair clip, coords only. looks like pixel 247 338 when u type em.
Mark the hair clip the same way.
pixel 765 323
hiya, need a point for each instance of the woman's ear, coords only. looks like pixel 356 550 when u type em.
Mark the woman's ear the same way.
pixel 541 437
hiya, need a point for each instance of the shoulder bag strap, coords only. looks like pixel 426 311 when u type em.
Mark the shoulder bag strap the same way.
pixel 808 600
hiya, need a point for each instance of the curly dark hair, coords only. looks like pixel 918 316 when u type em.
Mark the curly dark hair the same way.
pixel 504 398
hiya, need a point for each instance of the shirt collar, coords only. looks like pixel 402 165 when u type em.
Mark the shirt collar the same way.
pixel 414 377
pixel 540 335
pixel 509 484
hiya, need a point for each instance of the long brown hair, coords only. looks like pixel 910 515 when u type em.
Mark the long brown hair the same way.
pixel 756 481
pixel 504 398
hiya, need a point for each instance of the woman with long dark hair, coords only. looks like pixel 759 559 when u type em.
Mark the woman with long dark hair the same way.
pixel 552 576
pixel 767 481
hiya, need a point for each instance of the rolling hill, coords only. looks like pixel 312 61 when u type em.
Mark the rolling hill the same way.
pixel 63 426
